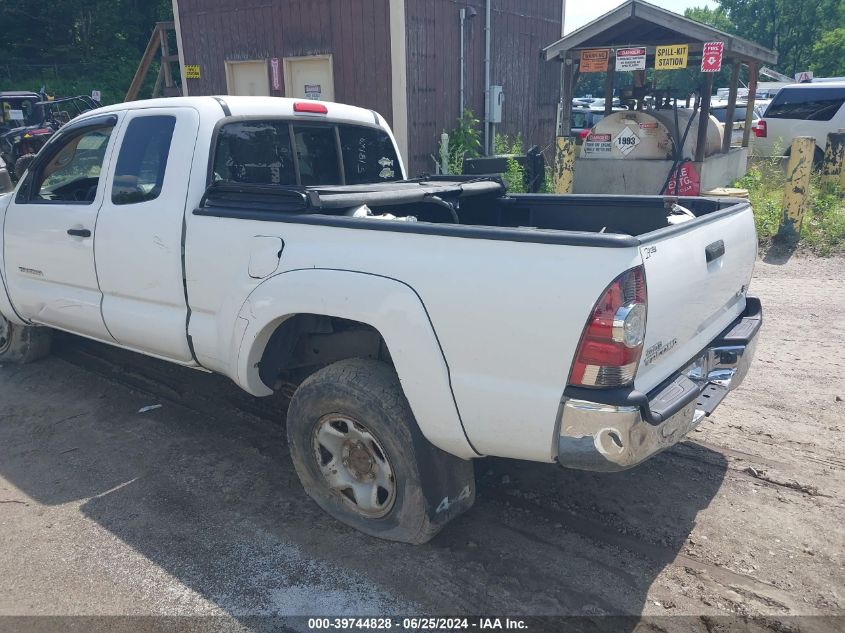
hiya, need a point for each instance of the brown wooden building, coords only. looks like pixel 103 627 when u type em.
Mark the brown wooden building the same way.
pixel 401 58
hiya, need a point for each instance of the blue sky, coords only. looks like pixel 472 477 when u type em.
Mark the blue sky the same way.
pixel 579 12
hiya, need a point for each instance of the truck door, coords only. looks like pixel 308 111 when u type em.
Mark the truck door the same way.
pixel 50 226
pixel 139 232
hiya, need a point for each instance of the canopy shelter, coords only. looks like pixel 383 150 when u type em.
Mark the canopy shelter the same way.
pixel 640 24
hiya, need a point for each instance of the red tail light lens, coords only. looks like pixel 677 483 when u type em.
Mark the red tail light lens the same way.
pixel 304 107
pixel 761 130
pixel 612 342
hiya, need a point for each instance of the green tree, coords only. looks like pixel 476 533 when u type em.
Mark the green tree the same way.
pixel 792 27
pixel 717 18
pixel 828 57
pixel 74 46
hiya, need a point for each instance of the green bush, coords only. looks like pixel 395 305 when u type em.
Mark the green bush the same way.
pixel 464 141
pixel 823 228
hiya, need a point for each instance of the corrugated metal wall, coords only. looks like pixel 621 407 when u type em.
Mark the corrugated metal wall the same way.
pixel 531 86
pixel 355 32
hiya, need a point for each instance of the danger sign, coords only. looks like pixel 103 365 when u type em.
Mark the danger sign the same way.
pixel 594 61
pixel 711 57
pixel 633 58
pixel 672 57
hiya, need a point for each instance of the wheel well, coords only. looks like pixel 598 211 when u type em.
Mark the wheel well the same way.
pixel 305 343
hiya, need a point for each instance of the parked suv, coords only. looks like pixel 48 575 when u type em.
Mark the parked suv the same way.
pixel 813 109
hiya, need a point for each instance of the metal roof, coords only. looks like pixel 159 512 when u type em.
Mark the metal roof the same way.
pixel 639 23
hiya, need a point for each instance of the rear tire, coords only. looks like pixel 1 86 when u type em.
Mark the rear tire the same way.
pixel 21 344
pixel 361 456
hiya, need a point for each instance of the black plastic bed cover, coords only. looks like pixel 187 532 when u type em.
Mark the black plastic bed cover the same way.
pixel 311 199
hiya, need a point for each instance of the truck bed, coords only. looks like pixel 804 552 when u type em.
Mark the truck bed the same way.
pixel 463 207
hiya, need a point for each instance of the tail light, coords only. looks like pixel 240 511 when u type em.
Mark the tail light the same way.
pixel 612 342
pixel 309 107
pixel 761 130
pixel 584 134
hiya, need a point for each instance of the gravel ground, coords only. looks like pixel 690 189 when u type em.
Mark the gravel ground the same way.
pixel 194 509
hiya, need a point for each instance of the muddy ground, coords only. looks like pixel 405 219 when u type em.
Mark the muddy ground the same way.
pixel 195 509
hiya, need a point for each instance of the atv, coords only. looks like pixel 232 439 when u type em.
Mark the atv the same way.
pixel 28 120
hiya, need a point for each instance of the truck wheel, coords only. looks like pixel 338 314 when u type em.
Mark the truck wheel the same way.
pixel 21 345
pixel 22 164
pixel 361 456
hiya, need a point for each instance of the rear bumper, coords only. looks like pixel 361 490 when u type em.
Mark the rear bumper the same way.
pixel 623 430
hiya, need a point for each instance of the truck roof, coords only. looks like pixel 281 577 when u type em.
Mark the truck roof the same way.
pixel 255 106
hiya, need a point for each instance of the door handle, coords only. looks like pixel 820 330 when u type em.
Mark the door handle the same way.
pixel 714 251
pixel 79 232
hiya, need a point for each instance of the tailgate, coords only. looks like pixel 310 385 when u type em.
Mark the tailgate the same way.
pixel 697 276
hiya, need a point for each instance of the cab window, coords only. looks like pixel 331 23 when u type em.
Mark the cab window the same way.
pixel 141 165
pixel 72 171
pixel 368 155
pixel 256 152
pixel 281 152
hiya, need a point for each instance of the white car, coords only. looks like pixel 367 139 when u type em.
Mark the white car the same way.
pixel 422 324
pixel 812 109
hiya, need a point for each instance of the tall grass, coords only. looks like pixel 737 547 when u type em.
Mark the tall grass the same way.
pixel 823 229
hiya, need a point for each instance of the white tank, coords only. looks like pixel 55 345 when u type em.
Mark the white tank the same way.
pixel 648 135
pixel 714 131
pixel 629 135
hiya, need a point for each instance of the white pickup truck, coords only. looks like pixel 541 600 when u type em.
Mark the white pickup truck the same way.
pixel 419 324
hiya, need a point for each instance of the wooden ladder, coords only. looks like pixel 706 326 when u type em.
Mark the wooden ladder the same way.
pixel 158 40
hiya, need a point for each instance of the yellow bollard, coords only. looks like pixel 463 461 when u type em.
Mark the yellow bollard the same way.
pixel 797 191
pixel 833 167
pixel 564 170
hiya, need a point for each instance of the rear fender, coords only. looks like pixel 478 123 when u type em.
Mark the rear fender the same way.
pixel 391 307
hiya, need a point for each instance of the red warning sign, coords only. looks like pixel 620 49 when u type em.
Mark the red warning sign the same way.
pixel 711 57
pixel 688 181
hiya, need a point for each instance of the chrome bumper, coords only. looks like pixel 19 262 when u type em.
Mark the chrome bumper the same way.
pixel 612 437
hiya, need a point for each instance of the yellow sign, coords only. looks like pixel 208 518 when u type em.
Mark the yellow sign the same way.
pixel 192 72
pixel 671 57
pixel 594 61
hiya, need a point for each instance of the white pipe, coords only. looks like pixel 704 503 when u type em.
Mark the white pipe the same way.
pixel 463 13
pixel 488 37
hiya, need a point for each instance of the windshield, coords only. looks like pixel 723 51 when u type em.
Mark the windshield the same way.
pixel 19 112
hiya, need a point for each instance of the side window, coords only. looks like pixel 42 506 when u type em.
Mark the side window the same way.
pixel 72 173
pixel 811 104
pixel 368 155
pixel 255 152
pixel 316 152
pixel 142 161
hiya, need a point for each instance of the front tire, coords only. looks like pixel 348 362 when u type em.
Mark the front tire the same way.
pixel 361 456
pixel 21 344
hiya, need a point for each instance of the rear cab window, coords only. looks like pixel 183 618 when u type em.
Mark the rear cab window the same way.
pixel 810 104
pixel 290 153
pixel 141 165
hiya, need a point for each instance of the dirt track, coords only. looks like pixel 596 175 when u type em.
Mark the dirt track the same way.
pixel 194 509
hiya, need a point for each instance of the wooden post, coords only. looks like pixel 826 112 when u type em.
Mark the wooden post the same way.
pixel 796 194
pixel 144 67
pixel 165 58
pixel 752 94
pixel 833 166
pixel 608 86
pixel 564 168
pixel 567 95
pixel 729 115
pixel 704 119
